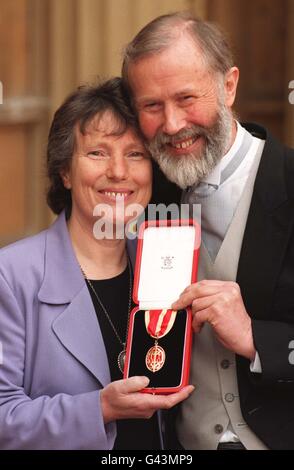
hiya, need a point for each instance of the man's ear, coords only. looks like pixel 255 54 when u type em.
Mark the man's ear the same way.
pixel 231 83
pixel 66 179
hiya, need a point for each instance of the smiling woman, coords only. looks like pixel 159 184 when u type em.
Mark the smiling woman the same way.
pixel 65 308
pixel 108 168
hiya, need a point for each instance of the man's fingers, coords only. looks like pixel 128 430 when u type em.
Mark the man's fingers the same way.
pixel 203 303
pixel 205 283
pixel 198 321
pixel 185 300
pixel 196 291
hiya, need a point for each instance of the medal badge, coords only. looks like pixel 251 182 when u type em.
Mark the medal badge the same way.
pixel 158 324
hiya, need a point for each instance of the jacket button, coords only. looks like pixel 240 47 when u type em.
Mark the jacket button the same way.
pixel 229 397
pixel 225 364
pixel 218 428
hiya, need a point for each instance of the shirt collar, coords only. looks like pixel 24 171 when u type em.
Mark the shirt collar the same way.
pixel 214 177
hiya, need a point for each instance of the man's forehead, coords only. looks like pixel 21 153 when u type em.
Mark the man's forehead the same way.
pixel 180 48
pixel 174 85
pixel 168 65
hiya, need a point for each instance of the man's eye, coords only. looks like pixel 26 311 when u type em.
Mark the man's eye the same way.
pixel 152 106
pixel 187 98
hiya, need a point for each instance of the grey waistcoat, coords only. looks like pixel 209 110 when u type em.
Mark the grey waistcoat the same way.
pixel 215 404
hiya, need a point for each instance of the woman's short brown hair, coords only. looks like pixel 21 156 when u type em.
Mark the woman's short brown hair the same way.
pixel 79 109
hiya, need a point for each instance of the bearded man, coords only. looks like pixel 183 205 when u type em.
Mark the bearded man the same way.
pixel 181 76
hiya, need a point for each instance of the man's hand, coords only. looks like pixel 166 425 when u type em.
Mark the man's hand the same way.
pixel 220 304
pixel 122 399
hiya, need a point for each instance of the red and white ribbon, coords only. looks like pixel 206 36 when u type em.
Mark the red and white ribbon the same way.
pixel 159 322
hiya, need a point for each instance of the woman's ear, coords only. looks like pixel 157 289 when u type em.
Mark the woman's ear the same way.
pixel 66 179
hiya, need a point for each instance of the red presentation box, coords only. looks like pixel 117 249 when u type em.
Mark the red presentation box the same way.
pixel 160 339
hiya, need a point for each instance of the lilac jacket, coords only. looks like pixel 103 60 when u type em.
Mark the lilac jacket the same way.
pixel 53 362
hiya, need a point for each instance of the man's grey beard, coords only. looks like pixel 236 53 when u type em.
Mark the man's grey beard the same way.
pixel 189 169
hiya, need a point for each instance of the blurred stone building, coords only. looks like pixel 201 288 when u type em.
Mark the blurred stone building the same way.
pixel 47 47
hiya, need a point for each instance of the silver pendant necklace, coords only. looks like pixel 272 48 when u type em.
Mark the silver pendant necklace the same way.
pixel 122 355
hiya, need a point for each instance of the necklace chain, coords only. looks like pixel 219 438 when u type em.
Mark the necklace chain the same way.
pixel 123 344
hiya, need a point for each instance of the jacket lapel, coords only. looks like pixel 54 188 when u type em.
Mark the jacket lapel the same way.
pixel 76 327
pixel 268 228
pixel 78 330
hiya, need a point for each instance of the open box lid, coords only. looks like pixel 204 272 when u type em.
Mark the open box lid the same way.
pixel 166 263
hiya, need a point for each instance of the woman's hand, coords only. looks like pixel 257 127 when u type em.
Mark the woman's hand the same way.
pixel 122 399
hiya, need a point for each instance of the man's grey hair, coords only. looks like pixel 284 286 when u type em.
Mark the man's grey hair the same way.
pixel 160 34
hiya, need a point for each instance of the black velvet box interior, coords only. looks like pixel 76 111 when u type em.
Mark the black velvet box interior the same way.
pixel 171 374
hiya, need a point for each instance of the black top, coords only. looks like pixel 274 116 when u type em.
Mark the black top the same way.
pixel 132 434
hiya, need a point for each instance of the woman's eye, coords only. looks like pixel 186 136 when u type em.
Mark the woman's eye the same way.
pixel 136 155
pixel 96 154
